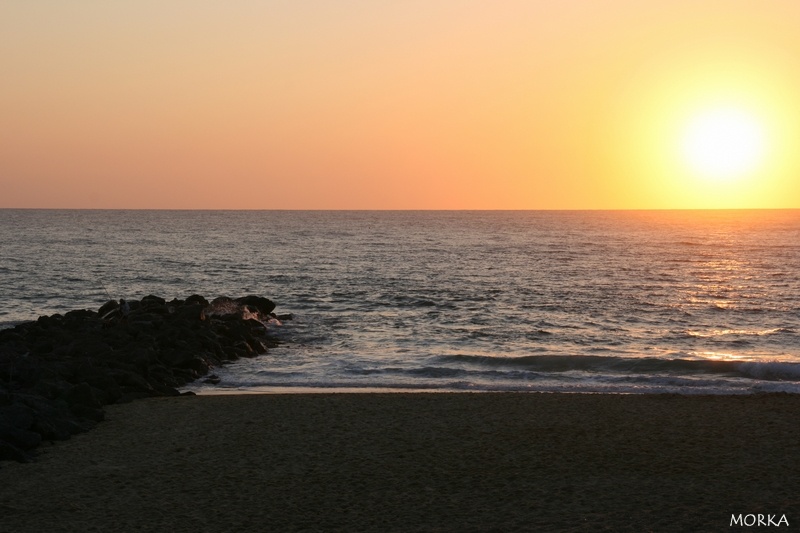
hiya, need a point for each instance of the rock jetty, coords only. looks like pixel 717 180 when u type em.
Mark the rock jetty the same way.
pixel 57 373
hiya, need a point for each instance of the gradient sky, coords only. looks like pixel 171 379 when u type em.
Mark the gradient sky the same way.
pixel 359 104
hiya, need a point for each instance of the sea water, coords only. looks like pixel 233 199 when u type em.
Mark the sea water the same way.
pixel 579 301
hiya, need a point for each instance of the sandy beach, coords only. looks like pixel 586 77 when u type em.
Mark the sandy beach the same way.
pixel 416 462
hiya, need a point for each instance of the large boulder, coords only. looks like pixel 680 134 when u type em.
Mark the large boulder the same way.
pixel 264 305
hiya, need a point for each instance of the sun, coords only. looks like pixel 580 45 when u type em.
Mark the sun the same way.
pixel 706 130
pixel 723 143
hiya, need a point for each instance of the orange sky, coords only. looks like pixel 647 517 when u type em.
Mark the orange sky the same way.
pixel 434 104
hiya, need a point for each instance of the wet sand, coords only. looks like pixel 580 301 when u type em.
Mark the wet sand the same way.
pixel 416 462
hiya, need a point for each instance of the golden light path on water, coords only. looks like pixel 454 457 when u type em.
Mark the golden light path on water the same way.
pixel 726 283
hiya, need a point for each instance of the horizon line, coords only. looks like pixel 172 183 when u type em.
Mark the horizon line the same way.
pixel 397 210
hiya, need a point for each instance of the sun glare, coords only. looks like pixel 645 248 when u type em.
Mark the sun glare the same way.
pixel 723 144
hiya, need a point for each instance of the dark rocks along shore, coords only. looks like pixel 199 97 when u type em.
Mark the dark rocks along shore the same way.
pixel 57 373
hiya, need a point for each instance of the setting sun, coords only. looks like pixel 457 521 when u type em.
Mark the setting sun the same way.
pixel 723 144
pixel 705 131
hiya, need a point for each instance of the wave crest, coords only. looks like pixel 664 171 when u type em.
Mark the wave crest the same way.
pixel 763 370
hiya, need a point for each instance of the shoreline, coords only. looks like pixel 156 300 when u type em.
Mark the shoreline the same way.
pixel 291 390
pixel 416 462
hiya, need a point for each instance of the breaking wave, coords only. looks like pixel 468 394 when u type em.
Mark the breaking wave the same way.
pixel 762 370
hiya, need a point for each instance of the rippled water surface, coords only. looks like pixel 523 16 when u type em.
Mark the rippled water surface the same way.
pixel 677 301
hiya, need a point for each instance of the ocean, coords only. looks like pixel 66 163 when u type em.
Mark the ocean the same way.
pixel 688 302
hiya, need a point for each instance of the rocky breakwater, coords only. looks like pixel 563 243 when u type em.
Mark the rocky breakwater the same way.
pixel 57 373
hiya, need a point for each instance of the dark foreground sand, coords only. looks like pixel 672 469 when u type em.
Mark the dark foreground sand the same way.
pixel 416 462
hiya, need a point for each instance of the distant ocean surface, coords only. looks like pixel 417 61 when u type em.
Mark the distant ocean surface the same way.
pixel 585 301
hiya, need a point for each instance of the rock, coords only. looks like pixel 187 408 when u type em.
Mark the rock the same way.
pixel 82 395
pixel 235 353
pixel 129 380
pixel 9 452
pixel 47 322
pixel 152 301
pixel 58 372
pixel 104 388
pixel 257 346
pixel 189 312
pixel 6 397
pixel 179 358
pixel 264 305
pixel 88 413
pixel 175 304
pixel 17 415
pixel 51 388
pixel 199 365
pixel 20 438
pixel 88 346
pixel 108 309
pixel 153 304
pixel 196 299
pixel 79 315
pixel 42 346
pixel 256 327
